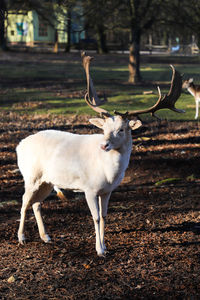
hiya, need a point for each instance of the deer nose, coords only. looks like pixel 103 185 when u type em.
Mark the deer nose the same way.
pixel 105 146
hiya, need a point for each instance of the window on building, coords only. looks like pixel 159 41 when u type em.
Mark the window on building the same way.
pixel 43 27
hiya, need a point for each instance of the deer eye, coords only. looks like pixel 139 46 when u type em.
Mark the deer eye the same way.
pixel 121 130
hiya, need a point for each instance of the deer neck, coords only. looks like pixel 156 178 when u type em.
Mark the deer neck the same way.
pixel 126 148
pixel 192 89
pixel 116 162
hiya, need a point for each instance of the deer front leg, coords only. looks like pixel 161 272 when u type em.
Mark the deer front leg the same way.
pixel 103 204
pixel 197 108
pixel 93 204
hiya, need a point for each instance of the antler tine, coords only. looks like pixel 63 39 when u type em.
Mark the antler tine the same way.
pixel 91 97
pixel 167 101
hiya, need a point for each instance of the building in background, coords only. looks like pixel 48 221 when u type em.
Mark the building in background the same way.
pixel 30 28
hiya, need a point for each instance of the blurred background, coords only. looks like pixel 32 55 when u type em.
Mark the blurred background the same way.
pixel 148 26
pixel 134 40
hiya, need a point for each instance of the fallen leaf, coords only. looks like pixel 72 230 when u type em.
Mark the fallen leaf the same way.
pixel 143 138
pixel 190 178
pixel 11 279
pixel 86 266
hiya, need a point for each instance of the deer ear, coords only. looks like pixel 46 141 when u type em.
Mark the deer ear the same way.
pixel 135 124
pixel 98 122
pixel 190 80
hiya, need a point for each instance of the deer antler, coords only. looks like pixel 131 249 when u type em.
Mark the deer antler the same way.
pixel 91 97
pixel 166 101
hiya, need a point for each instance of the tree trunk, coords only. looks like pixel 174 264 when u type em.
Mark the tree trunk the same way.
pixel 101 39
pixel 134 57
pixel 69 25
pixel 55 48
pixel 198 35
pixel 3 45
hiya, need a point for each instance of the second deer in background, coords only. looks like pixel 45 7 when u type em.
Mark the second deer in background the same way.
pixel 194 90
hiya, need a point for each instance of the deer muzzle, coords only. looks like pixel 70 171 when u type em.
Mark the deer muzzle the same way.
pixel 105 146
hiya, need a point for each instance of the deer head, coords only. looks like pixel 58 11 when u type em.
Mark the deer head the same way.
pixel 166 101
pixel 187 83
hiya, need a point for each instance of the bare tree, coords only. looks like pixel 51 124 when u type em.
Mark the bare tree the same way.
pixel 3 10
pixel 97 16
pixel 188 13
pixel 135 15
pixel 142 15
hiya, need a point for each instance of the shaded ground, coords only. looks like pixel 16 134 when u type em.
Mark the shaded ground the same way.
pixel 152 231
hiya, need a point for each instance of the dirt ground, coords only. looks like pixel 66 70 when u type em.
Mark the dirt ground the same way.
pixel 152 230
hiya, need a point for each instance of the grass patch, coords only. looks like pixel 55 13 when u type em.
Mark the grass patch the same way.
pixel 56 84
pixel 167 181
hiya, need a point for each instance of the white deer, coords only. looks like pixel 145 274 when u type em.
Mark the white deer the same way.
pixel 94 164
pixel 194 90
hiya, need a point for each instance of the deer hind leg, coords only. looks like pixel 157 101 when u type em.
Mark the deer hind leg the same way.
pixel 34 197
pixel 44 190
pixel 25 205
pixel 103 204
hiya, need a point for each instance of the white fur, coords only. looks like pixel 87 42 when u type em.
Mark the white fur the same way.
pixel 94 164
